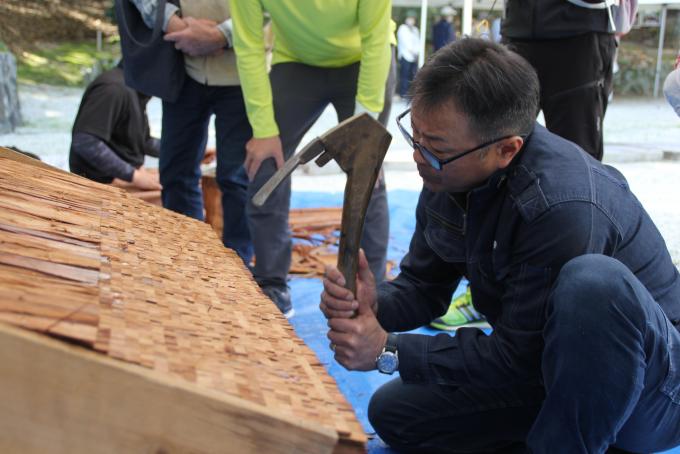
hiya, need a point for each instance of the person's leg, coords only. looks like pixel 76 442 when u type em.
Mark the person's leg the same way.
pixel 298 101
pixel 377 227
pixel 404 77
pixel 376 232
pixel 431 418
pixel 611 364
pixel 232 131
pixel 390 87
pixel 413 69
pixel 575 76
pixel 183 138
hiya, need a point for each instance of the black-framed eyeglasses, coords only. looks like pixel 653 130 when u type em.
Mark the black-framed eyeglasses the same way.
pixel 431 159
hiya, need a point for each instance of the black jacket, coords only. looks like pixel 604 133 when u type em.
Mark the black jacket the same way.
pixel 115 114
pixel 550 19
pixel 553 203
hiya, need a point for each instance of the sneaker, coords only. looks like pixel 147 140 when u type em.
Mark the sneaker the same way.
pixel 281 297
pixel 460 313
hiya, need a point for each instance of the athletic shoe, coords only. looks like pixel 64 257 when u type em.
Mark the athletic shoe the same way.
pixel 281 297
pixel 460 312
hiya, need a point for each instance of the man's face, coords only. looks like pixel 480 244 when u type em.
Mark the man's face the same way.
pixel 445 133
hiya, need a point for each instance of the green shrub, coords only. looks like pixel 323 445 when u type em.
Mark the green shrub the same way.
pixel 637 66
pixel 72 64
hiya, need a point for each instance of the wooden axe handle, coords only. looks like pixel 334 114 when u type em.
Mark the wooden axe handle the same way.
pixel 358 189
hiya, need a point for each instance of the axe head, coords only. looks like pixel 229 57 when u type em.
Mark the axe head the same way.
pixel 358 134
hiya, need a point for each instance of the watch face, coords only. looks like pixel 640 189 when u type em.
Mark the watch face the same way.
pixel 387 362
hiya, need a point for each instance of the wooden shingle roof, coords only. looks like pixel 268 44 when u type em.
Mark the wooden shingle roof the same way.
pixel 157 294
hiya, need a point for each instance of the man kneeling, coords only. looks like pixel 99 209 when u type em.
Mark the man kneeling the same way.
pixel 563 261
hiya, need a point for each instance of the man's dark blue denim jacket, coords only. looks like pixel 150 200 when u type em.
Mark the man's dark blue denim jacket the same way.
pixel 553 203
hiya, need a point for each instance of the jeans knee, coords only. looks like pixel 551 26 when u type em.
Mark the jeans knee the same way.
pixel 590 266
pixel 585 288
pixel 180 181
pixel 377 407
pixel 383 417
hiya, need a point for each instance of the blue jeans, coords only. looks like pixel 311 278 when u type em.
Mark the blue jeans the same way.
pixel 183 141
pixel 611 378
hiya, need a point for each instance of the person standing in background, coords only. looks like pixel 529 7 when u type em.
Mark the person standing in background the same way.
pixel 201 29
pixel 444 31
pixel 325 52
pixel 572 49
pixel 408 50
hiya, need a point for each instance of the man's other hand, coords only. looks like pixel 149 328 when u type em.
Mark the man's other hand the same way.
pixel 337 301
pixel 200 37
pixel 258 150
pixel 146 180
pixel 357 341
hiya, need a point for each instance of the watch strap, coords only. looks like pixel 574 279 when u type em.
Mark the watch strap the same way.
pixel 391 343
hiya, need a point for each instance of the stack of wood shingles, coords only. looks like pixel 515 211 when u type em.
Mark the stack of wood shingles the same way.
pixel 93 265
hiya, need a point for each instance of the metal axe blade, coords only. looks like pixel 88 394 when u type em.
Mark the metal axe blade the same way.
pixel 309 152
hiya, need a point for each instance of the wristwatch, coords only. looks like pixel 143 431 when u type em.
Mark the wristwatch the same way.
pixel 387 361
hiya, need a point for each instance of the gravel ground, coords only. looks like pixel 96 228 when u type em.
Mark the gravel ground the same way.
pixel 637 131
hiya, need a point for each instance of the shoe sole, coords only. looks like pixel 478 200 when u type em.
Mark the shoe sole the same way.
pixel 445 327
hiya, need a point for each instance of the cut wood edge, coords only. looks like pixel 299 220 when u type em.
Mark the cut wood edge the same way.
pixel 61 398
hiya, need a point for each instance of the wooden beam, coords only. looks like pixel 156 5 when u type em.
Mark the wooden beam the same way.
pixel 60 398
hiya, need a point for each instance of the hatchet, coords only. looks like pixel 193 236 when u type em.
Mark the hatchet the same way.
pixel 358 145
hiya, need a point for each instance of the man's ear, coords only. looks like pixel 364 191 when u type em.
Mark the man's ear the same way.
pixel 507 149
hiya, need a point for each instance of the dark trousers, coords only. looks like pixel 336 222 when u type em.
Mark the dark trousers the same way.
pixel 576 79
pixel 611 374
pixel 301 94
pixel 183 141
pixel 407 71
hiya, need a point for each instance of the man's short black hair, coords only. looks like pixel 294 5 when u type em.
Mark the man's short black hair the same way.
pixel 494 87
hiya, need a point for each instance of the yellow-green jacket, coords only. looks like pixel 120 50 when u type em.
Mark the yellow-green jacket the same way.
pixel 323 33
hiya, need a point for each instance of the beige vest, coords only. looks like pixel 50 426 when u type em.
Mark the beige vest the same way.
pixel 219 70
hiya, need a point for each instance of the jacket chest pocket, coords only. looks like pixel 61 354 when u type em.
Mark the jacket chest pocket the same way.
pixel 445 236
